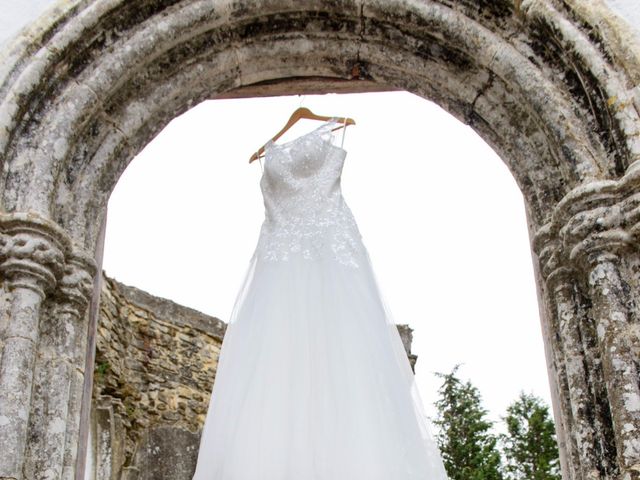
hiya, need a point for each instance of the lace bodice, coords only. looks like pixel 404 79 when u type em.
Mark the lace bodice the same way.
pixel 305 212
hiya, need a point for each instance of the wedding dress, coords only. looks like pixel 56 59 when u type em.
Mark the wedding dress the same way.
pixel 313 382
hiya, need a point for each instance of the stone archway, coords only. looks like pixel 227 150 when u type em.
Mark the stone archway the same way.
pixel 549 85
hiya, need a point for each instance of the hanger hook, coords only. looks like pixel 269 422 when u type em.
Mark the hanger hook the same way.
pixel 301 97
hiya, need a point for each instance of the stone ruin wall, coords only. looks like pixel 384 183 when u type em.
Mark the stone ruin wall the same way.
pixel 154 370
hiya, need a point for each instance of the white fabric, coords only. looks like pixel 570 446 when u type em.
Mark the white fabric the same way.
pixel 313 382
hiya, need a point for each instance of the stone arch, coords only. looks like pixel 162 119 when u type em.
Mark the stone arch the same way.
pixel 549 85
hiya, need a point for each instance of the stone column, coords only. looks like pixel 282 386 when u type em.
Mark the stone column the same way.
pixel 600 255
pixel 562 287
pixel 72 436
pixel 78 443
pixel 80 291
pixel 59 372
pixel 545 246
pixel 31 262
pixel 593 230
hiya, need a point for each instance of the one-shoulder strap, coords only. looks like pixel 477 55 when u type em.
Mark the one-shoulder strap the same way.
pixel 344 127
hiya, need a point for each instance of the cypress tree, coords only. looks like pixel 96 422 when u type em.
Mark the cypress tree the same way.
pixel 530 446
pixel 467 445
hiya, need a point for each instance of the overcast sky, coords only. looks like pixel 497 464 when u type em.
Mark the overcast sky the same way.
pixel 439 212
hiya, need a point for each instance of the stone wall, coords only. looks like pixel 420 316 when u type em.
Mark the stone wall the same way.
pixel 155 365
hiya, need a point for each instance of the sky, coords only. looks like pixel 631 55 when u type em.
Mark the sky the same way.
pixel 439 212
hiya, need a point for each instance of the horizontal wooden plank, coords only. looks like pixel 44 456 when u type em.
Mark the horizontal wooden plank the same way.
pixel 305 86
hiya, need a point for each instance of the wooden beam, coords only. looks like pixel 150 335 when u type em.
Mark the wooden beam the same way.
pixel 305 86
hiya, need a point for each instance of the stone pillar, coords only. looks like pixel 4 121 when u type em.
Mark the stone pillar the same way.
pixel 31 262
pixel 600 255
pixel 545 247
pixel 59 373
pixel 585 252
pixel 72 437
pixel 82 292
pixel 563 289
pixel 77 443
pixel 593 223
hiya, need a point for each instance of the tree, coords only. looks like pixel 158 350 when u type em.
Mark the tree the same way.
pixel 467 446
pixel 530 445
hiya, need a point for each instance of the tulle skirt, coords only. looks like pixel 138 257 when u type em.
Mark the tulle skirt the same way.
pixel 313 382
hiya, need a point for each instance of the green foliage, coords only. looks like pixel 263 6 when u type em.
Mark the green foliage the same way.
pixel 466 443
pixel 101 368
pixel 530 446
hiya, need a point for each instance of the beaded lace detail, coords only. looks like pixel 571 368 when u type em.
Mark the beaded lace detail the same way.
pixel 305 212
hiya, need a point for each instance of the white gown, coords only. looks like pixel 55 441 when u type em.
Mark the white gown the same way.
pixel 313 382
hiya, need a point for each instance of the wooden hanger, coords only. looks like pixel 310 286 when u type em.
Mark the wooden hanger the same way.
pixel 301 112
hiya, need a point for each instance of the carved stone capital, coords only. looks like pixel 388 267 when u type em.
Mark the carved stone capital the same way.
pixel 553 265
pixel 32 251
pixel 76 285
pixel 561 278
pixel 36 253
pixel 599 247
pixel 594 222
pixel 546 248
pixel 631 207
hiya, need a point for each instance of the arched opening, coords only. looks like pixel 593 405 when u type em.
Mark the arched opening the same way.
pixel 435 228
pixel 546 86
